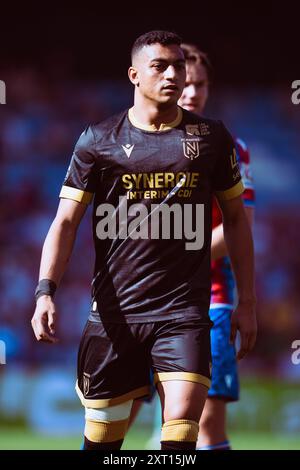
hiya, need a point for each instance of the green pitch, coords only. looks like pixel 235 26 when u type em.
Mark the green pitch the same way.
pixel 22 439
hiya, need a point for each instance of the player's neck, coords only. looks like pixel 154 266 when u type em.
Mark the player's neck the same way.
pixel 150 114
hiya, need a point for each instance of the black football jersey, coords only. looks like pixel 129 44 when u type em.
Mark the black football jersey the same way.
pixel 152 193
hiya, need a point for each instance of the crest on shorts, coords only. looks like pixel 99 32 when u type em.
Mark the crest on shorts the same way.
pixel 86 383
pixel 191 148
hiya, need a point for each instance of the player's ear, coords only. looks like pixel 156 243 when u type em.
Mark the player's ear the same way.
pixel 133 76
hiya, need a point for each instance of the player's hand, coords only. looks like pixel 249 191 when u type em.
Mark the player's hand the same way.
pixel 244 320
pixel 43 320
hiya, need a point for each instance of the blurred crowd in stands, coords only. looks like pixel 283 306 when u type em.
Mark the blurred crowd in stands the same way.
pixel 39 126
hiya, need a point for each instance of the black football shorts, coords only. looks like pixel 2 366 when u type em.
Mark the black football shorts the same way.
pixel 115 359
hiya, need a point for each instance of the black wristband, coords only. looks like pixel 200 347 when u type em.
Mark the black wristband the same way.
pixel 45 287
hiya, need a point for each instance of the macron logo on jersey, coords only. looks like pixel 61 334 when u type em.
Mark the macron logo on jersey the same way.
pixel 128 149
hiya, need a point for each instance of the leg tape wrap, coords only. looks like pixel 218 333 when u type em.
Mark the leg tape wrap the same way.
pixel 182 430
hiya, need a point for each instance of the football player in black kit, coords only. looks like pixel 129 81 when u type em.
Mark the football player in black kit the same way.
pixel 151 172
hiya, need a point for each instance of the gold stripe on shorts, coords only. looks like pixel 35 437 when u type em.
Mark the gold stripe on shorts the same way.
pixel 186 376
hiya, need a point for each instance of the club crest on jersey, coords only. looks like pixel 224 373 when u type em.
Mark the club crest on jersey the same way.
pixel 86 383
pixel 191 148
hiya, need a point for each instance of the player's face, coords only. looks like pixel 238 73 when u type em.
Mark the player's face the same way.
pixel 161 73
pixel 195 92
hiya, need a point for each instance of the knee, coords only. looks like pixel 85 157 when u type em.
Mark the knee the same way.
pixel 190 411
pixel 208 423
pixel 211 421
pixel 175 412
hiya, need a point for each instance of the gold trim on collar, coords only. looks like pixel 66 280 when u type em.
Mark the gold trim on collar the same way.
pixel 151 127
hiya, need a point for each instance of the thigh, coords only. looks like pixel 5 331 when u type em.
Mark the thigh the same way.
pixel 112 365
pixel 181 399
pixel 181 362
pixel 181 351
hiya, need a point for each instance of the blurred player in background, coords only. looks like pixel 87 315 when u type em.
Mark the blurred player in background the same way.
pixel 150 294
pixel 225 382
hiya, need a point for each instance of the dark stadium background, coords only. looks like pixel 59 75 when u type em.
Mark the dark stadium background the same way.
pixel 68 67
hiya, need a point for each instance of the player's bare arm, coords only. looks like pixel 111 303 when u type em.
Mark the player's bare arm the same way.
pixel 55 255
pixel 239 242
pixel 218 245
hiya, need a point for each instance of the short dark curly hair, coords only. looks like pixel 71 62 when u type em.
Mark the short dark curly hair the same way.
pixel 155 37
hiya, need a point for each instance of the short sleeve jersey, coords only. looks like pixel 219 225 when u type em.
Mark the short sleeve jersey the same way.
pixel 152 192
